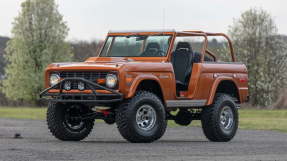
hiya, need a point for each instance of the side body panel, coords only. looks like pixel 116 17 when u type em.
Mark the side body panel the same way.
pixel 207 76
pixel 135 73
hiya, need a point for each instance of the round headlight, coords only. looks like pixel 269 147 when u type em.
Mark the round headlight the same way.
pixel 54 79
pixel 67 85
pixel 111 80
pixel 81 86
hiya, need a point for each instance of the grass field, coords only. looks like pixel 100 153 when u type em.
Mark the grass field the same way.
pixel 23 113
pixel 249 118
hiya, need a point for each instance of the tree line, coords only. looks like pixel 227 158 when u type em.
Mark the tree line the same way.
pixel 39 38
pixel 81 50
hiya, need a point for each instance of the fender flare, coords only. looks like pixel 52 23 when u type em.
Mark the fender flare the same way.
pixel 138 80
pixel 214 87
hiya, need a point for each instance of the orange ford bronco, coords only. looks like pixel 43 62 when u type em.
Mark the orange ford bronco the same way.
pixel 140 80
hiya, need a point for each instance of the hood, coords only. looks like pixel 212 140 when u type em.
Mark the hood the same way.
pixel 109 64
pixel 85 66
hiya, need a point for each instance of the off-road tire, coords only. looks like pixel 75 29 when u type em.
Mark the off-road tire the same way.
pixel 126 118
pixel 56 125
pixel 210 119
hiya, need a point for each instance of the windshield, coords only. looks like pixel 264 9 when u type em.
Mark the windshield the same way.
pixel 136 46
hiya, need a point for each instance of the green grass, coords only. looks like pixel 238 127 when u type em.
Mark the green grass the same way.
pixel 23 113
pixel 263 119
pixel 256 119
pixel 249 118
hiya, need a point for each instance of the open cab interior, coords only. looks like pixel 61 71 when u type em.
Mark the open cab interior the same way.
pixel 193 47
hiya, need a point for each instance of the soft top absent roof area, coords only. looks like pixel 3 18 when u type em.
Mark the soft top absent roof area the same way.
pixel 177 33
pixel 141 31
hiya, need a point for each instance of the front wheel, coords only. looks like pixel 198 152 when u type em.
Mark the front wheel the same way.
pixel 220 121
pixel 65 121
pixel 142 119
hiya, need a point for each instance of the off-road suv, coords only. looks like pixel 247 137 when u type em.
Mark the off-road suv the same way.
pixel 140 80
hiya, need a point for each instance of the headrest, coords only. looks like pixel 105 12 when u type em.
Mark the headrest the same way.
pixel 152 46
pixel 183 46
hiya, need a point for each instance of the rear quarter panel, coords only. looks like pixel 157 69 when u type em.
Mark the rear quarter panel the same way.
pixel 211 74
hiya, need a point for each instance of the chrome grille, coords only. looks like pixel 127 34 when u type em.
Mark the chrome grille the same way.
pixel 89 75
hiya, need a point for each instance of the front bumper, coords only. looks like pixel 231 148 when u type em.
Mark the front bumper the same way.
pixel 56 93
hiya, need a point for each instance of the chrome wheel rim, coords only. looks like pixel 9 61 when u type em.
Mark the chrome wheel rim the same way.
pixel 146 117
pixel 226 118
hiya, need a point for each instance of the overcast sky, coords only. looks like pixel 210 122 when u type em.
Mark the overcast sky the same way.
pixel 92 19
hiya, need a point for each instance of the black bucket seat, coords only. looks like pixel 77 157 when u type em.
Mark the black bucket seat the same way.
pixel 182 65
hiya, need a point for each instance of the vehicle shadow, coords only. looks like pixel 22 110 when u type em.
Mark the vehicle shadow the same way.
pixel 156 142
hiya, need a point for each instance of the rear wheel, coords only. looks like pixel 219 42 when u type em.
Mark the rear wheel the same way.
pixel 142 119
pixel 65 122
pixel 220 121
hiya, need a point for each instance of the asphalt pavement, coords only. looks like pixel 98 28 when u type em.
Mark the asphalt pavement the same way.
pixel 105 143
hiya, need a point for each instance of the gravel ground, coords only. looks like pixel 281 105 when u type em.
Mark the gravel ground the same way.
pixel 105 143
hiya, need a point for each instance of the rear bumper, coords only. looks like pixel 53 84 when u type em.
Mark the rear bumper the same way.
pixel 96 94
